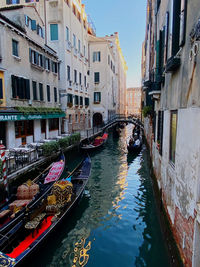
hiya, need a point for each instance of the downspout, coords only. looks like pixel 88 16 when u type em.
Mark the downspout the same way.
pixel 45 21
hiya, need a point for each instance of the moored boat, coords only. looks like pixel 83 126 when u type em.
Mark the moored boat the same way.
pixel 99 141
pixel 46 217
pixel 28 195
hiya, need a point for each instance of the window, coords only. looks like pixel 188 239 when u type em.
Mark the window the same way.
pixel 173 130
pixel 108 59
pixel 54 32
pixel 79 16
pixel 76 117
pixel 68 73
pixel 97 97
pixel 97 56
pixel 75 76
pixel 84 24
pixel 40 31
pixel 33 57
pixel 40 60
pixel 84 51
pixel 1 88
pixel 20 87
pixel 54 67
pixel 15 51
pixel 160 130
pixel 10 2
pixel 67 33
pixel 96 77
pixel 74 9
pixel 55 94
pixel 70 99
pixel 53 124
pixel 81 101
pixel 23 128
pixel 85 81
pixel 70 118
pixel 41 92
pixel 74 40
pixel 34 85
pixel 79 46
pixel 43 126
pixel 47 64
pixel 48 93
pixel 80 78
pixel 76 100
pixel 86 101
pixel 81 117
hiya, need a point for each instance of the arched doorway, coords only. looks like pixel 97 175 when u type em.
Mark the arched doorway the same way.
pixel 97 119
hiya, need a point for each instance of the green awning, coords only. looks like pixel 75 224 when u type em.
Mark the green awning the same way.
pixel 23 117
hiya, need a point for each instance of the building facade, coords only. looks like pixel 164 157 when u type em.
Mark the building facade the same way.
pixel 121 71
pixel 29 106
pixel 103 79
pixel 172 114
pixel 134 101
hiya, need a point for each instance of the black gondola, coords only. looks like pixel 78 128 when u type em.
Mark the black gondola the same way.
pixel 136 146
pixel 7 223
pixel 97 143
pixel 49 221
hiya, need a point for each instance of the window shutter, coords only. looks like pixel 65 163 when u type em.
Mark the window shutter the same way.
pixel 99 97
pixel 1 89
pixel 27 89
pixel 33 25
pixel 30 56
pixel 176 26
pixel 38 28
pixel 183 18
pixel 166 37
pixel 13 86
pixel 37 58
pixel 94 57
pixel 157 59
pixel 99 56
pixel 44 62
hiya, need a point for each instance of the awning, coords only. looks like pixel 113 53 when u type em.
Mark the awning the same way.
pixel 23 117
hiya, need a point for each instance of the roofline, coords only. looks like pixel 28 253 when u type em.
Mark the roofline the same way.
pixel 4 20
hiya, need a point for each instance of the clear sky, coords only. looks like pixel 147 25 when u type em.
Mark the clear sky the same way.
pixel 128 19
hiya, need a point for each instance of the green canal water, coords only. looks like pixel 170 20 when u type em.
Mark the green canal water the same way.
pixel 116 223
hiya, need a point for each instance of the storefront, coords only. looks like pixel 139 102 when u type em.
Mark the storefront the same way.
pixel 18 129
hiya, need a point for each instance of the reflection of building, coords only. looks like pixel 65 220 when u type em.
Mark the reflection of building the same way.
pixel 103 79
pixel 29 105
pixel 134 101
pixel 171 86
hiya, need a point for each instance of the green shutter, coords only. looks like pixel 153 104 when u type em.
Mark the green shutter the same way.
pixel 54 32
pixel 27 89
pixel 100 97
pixel 33 25
pixel 176 26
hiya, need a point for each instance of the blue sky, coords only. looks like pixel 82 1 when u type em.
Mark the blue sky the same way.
pixel 128 19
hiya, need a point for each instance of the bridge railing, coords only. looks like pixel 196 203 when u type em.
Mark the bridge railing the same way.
pixel 112 120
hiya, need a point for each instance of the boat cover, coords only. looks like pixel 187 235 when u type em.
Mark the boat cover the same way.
pixel 55 172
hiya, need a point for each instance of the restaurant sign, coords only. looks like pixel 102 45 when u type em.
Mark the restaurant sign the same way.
pixel 20 117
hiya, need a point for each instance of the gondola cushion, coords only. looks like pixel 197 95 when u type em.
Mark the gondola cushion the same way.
pixel 51 200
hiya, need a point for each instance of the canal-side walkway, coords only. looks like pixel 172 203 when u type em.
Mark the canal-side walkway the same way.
pixel 37 160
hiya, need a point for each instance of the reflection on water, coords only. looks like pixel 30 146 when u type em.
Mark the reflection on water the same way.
pixel 117 224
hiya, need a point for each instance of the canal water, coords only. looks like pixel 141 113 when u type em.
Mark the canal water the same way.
pixel 116 223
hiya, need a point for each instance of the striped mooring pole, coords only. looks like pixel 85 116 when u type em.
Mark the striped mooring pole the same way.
pixel 3 158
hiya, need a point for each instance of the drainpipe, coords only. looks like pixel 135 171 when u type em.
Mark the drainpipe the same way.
pixel 45 21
